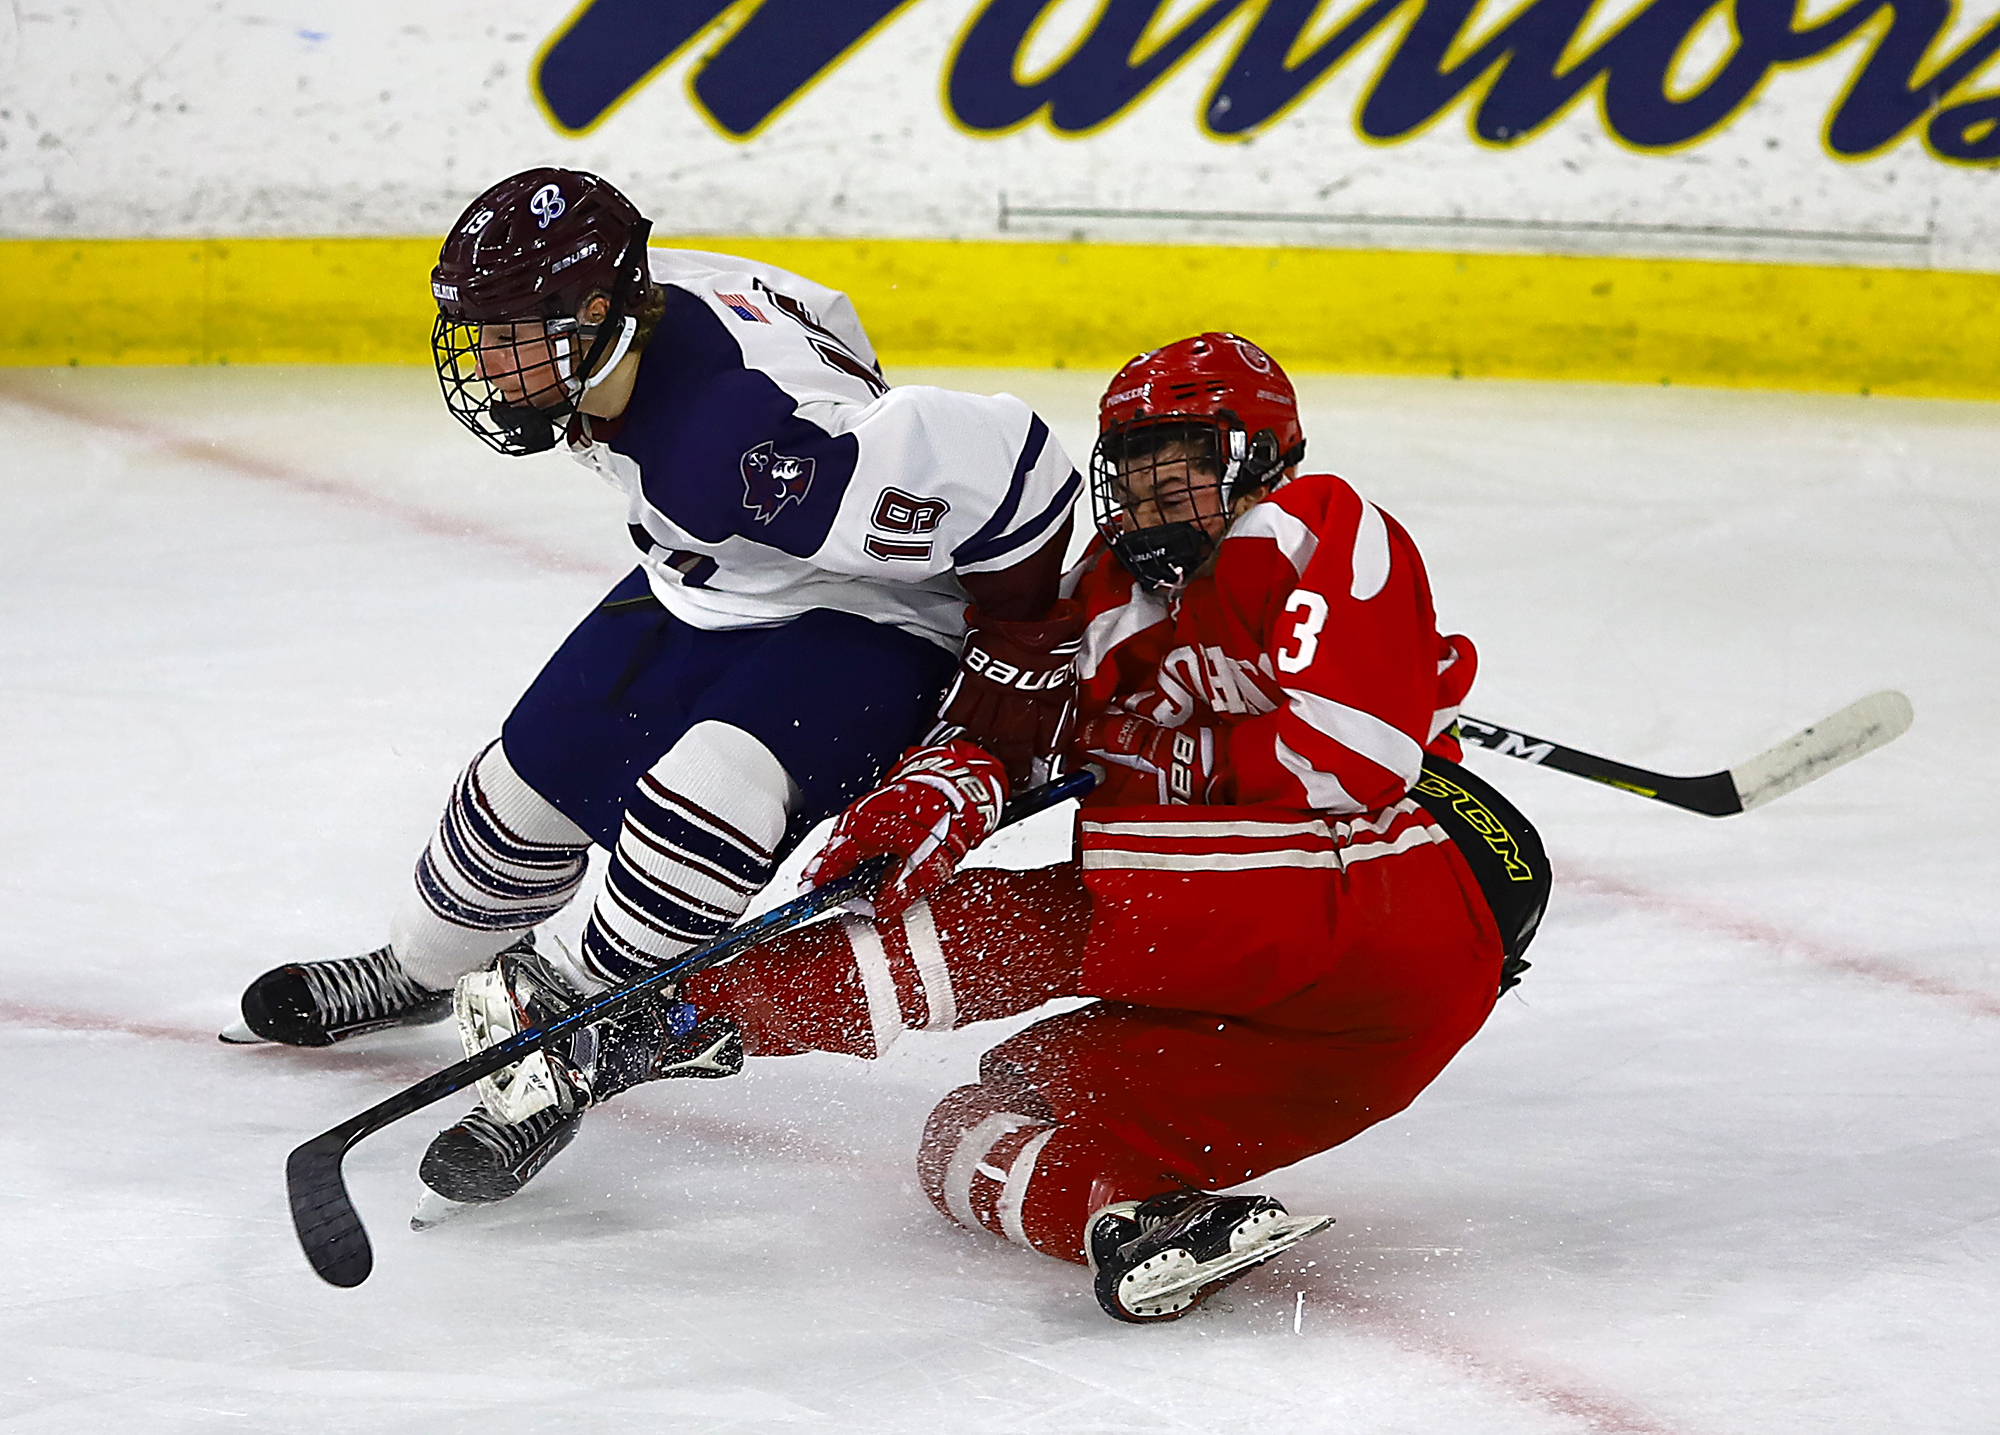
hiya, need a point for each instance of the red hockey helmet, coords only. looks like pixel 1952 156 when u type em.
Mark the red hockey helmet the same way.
pixel 1213 413
pixel 525 257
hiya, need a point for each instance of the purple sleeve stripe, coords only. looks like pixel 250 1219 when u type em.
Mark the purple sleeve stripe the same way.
pixel 1031 454
pixel 1028 532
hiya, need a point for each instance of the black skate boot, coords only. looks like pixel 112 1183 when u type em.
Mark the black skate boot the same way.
pixel 319 1003
pixel 531 1111
pixel 484 1159
pixel 1157 1259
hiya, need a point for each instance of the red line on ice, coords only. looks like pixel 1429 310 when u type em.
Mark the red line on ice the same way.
pixel 60 1019
pixel 1766 934
pixel 1598 1411
pixel 386 1065
pixel 406 1069
pixel 249 465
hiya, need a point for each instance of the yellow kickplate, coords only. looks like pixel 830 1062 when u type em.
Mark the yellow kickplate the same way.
pixel 1885 331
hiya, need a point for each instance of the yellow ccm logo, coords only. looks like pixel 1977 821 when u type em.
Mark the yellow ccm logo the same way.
pixel 1490 828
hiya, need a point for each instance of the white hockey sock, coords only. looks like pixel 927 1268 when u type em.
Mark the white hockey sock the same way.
pixel 502 861
pixel 699 840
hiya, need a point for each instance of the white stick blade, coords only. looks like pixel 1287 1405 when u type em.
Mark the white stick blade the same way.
pixel 1854 731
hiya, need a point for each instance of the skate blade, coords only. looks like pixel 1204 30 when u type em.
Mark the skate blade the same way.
pixel 238 1033
pixel 435 1210
pixel 1178 1281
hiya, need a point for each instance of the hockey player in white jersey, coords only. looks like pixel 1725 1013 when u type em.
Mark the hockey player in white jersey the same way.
pixel 822 556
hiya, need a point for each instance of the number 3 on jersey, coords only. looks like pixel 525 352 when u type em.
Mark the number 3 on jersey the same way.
pixel 1305 632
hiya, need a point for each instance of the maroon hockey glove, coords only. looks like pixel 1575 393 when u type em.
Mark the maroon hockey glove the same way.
pixel 1181 760
pixel 1015 692
pixel 935 805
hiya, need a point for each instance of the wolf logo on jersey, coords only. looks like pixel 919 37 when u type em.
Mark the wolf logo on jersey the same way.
pixel 772 479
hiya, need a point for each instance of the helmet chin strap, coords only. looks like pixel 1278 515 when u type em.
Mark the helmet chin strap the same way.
pixel 1239 449
pixel 595 367
pixel 618 351
pixel 576 387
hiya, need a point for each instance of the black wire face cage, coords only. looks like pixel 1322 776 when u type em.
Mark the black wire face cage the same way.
pixel 1140 474
pixel 513 385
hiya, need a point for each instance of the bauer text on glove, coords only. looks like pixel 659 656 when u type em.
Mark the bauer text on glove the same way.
pixel 1148 763
pixel 935 805
pixel 1015 691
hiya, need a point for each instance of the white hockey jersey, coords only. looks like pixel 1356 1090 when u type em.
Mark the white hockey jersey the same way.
pixel 769 470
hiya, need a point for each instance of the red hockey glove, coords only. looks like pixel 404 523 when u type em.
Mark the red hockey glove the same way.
pixel 935 805
pixel 1180 760
pixel 1015 692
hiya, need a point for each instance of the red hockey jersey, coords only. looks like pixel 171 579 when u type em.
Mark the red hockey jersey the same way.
pixel 1311 650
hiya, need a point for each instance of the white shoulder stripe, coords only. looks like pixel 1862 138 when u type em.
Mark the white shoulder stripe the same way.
pixel 1371 553
pixel 1067 588
pixel 1269 520
pixel 1374 739
pixel 1323 790
pixel 1108 629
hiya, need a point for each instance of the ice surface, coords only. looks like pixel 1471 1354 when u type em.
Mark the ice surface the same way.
pixel 1729 1161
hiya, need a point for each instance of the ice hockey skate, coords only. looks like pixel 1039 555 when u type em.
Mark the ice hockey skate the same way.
pixel 481 1159
pixel 320 1003
pixel 529 1112
pixel 1157 1259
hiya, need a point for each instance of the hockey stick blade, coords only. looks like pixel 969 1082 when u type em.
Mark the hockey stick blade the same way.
pixel 329 1228
pixel 1857 729
pixel 323 1214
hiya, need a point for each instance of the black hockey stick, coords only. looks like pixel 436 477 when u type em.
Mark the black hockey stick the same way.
pixel 330 1229
pixel 1855 730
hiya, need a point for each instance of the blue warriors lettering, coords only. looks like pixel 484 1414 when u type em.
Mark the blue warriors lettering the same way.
pixel 1517 68
pixel 611 47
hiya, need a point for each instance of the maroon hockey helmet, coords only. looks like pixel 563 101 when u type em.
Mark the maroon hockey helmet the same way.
pixel 1227 414
pixel 528 254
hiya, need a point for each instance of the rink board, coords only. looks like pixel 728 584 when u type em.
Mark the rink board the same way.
pixel 1684 321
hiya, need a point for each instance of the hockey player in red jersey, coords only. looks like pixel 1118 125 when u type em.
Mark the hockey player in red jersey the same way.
pixel 1291 904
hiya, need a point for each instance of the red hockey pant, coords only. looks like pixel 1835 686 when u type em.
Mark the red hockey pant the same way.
pixel 1268 987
